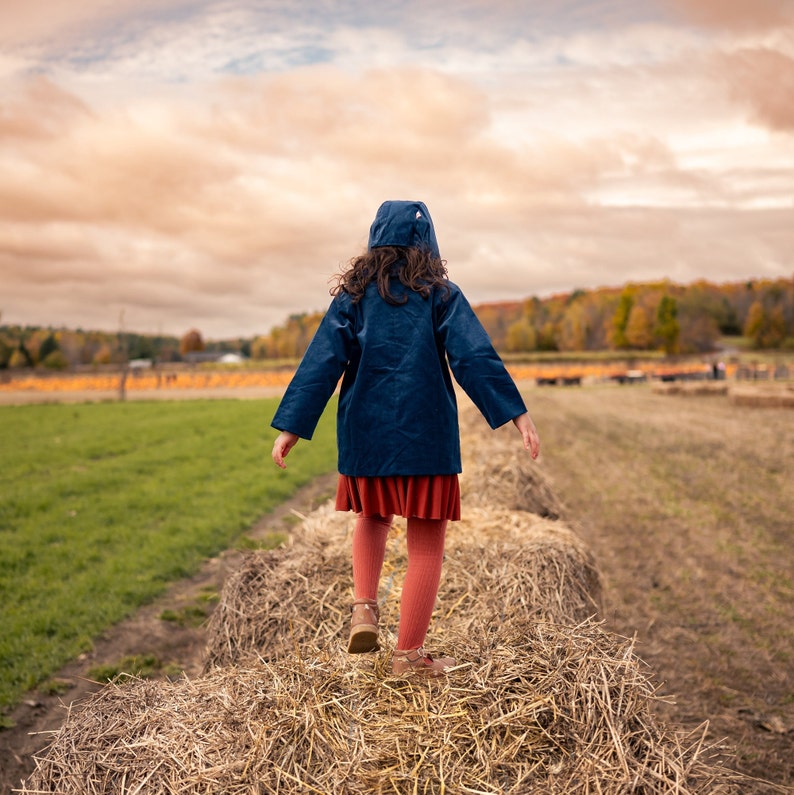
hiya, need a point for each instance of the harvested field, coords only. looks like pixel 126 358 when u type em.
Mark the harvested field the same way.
pixel 687 506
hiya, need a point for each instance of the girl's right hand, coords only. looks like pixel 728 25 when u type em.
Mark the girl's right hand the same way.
pixel 528 433
pixel 281 447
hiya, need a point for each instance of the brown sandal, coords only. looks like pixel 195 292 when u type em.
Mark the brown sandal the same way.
pixel 364 627
pixel 420 662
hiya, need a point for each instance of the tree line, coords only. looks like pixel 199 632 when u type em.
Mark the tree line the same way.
pixel 61 349
pixel 673 318
pixel 650 316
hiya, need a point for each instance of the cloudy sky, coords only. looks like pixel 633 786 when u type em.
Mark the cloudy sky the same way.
pixel 168 164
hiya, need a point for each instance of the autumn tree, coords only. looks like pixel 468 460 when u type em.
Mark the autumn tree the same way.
pixel 776 331
pixel 754 325
pixel 699 332
pixel 620 319
pixel 23 357
pixel 497 318
pixel 18 359
pixel 520 337
pixel 49 345
pixel 581 325
pixel 541 317
pixel 574 328
pixel 55 360
pixel 639 328
pixel 191 342
pixel 288 341
pixel 711 300
pixel 765 328
pixel 103 354
pixel 259 347
pixel 39 343
pixel 5 353
pixel 667 329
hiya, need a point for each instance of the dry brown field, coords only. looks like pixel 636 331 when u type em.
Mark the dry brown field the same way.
pixel 687 502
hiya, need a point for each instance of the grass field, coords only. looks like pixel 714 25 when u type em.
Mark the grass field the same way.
pixel 102 505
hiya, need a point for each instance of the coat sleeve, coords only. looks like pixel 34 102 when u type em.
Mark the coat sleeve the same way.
pixel 474 362
pixel 319 372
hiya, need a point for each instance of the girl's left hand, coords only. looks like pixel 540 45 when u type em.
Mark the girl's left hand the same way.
pixel 281 447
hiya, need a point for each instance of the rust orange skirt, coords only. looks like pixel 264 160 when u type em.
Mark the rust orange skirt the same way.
pixel 423 496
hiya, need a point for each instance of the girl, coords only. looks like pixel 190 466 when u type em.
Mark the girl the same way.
pixel 394 330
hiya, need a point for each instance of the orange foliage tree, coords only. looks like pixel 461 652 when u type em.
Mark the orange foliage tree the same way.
pixel 191 342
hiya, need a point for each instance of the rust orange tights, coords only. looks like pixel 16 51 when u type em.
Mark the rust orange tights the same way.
pixel 425 542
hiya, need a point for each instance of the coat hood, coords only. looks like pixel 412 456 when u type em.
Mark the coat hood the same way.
pixel 403 223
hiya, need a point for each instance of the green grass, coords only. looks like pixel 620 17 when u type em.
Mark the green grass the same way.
pixel 102 505
pixel 144 666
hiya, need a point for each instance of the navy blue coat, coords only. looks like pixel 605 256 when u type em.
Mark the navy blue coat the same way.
pixel 397 410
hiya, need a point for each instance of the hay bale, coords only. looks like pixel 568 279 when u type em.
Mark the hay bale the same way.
pixel 514 566
pixel 511 480
pixel 283 598
pixel 666 387
pixel 539 707
pixel 500 565
pixel 691 388
pixel 501 473
pixel 770 396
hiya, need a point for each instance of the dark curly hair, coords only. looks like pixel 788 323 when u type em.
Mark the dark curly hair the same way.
pixel 416 268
